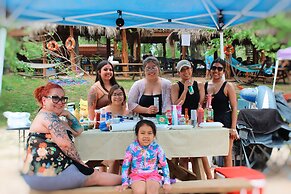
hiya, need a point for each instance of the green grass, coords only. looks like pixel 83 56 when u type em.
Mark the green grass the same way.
pixel 17 93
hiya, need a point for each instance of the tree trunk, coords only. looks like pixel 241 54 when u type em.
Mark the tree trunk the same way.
pixel 124 51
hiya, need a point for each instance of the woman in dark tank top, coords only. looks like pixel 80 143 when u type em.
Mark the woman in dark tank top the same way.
pixel 143 92
pixel 224 102
pixel 188 98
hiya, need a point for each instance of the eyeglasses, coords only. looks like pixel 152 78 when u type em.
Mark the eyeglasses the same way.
pixel 154 68
pixel 57 99
pixel 117 94
pixel 213 68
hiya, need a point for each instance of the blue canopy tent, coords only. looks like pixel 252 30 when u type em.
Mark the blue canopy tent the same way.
pixel 174 14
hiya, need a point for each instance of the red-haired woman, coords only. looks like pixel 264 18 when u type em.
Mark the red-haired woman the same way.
pixel 52 161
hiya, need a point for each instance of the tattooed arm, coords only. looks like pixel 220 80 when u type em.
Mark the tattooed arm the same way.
pixel 59 134
pixel 73 123
pixel 92 99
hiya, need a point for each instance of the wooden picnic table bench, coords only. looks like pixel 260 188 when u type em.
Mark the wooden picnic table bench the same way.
pixel 197 186
pixel 126 70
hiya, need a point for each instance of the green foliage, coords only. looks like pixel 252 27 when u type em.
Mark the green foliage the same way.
pixel 12 46
pixel 269 34
pixel 31 49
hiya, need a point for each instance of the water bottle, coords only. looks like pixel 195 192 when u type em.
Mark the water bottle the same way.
pixel 194 118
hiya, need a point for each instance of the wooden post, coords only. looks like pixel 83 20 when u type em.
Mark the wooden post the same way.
pixel 115 49
pixel 164 50
pixel 135 49
pixel 184 48
pixel 138 48
pixel 44 55
pixel 72 53
pixel 124 51
pixel 108 47
pixel 255 55
pixel 172 45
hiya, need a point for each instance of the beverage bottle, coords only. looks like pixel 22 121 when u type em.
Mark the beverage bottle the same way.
pixel 169 117
pixel 156 103
pixel 209 109
pixel 200 115
pixel 174 115
pixel 187 120
pixel 194 117
pixel 102 115
pixel 182 120
pixel 190 90
pixel 96 119
pixel 210 114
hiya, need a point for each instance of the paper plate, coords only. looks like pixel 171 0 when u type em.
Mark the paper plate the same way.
pixel 162 127
pixel 181 127
pixel 211 124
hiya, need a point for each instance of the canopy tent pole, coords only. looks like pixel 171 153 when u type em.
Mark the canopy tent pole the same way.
pixel 3 34
pixel 276 72
pixel 221 44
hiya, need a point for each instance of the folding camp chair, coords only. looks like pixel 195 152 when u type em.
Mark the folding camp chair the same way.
pixel 260 131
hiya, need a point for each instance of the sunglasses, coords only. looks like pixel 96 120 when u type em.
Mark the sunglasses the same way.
pixel 213 68
pixel 57 99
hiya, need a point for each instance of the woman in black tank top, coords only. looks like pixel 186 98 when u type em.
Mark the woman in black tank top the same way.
pixel 188 98
pixel 224 102
pixel 181 91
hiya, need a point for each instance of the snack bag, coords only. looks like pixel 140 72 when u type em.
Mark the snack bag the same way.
pixel 162 119
pixel 83 107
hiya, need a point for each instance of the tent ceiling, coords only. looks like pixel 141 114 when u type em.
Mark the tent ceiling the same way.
pixel 171 14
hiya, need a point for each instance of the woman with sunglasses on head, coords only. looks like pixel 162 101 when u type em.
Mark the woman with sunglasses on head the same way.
pixel 52 161
pixel 98 93
pixel 224 102
pixel 150 91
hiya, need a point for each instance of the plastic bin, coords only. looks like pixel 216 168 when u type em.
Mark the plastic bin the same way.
pixel 257 179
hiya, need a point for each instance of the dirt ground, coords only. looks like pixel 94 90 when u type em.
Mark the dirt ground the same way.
pixel 278 173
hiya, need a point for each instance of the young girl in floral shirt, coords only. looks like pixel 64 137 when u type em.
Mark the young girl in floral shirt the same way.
pixel 142 160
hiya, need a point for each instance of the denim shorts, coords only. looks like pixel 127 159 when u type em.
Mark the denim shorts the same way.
pixel 70 178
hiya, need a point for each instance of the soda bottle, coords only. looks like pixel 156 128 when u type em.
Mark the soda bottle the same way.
pixel 200 115
pixel 187 120
pixel 209 109
pixel 209 114
pixel 96 119
pixel 182 120
pixel 169 117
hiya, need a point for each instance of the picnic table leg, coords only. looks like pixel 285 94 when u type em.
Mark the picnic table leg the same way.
pixel 198 168
pixel 179 172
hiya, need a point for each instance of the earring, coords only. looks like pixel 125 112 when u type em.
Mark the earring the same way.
pixel 43 106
